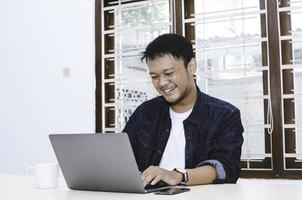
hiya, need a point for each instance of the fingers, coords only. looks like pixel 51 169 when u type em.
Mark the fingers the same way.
pixel 147 179
pixel 154 174
pixel 147 172
pixel 156 180
pixel 151 175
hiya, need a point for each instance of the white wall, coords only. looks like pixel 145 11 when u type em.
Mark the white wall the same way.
pixel 38 39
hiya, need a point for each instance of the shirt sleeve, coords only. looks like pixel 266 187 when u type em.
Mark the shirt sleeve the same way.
pixel 219 169
pixel 131 129
pixel 226 145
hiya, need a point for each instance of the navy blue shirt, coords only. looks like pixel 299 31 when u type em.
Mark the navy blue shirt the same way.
pixel 213 131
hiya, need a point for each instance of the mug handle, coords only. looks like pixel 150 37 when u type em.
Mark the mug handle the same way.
pixel 30 171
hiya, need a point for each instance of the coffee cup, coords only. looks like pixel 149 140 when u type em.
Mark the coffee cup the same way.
pixel 45 175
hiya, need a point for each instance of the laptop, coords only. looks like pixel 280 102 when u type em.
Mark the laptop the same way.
pixel 99 162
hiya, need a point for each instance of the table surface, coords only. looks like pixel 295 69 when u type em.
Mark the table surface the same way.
pixel 17 187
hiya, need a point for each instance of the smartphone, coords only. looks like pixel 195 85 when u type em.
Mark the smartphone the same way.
pixel 172 191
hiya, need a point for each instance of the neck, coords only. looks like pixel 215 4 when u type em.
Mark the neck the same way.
pixel 187 103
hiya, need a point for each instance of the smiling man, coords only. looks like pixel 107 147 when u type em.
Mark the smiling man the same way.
pixel 183 136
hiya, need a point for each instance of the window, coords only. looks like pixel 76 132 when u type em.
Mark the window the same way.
pixel 229 52
pixel 127 28
pixel 290 42
pixel 249 53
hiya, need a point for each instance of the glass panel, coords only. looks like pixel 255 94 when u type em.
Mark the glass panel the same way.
pixel 139 24
pixel 133 86
pixel 129 96
pixel 229 56
pixel 296 24
pixel 253 150
pixel 298 109
pixel 128 29
pixel 297 51
pixel 232 6
pixel 292 79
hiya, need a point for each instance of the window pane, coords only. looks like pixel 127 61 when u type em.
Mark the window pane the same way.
pixel 129 27
pixel 291 51
pixel 133 86
pixel 229 54
pixel 296 26
pixel 139 24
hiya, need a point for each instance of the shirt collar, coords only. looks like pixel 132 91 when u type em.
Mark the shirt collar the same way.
pixel 198 108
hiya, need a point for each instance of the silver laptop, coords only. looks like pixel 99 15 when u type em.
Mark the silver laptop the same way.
pixel 99 162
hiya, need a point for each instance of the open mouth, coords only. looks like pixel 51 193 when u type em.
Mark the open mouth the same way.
pixel 169 90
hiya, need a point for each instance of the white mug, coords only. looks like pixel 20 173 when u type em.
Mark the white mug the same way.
pixel 45 174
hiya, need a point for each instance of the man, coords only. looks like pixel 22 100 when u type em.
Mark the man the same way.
pixel 183 136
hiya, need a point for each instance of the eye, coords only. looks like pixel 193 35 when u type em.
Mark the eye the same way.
pixel 154 77
pixel 169 73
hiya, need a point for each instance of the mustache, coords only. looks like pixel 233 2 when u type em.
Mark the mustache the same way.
pixel 167 87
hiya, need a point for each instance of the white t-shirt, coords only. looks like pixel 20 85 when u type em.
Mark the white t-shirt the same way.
pixel 174 154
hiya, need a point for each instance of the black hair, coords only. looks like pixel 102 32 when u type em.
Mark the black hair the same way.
pixel 169 43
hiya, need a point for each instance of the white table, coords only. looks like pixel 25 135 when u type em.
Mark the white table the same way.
pixel 17 187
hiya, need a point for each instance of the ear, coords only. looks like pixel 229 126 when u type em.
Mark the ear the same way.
pixel 192 66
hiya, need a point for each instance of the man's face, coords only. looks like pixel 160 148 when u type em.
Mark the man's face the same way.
pixel 171 78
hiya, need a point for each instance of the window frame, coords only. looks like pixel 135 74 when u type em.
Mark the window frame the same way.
pixel 180 9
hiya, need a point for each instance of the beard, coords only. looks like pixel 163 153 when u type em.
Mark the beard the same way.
pixel 178 99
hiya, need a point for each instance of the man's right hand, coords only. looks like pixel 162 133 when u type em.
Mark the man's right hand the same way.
pixel 154 174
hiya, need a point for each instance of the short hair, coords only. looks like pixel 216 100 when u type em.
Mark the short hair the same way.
pixel 174 44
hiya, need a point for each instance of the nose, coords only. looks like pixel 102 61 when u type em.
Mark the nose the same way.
pixel 162 81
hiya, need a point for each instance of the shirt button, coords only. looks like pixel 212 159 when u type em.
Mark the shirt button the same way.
pixel 187 157
pixel 167 130
pixel 159 151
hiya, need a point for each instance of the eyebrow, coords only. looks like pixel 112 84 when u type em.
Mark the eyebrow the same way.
pixel 165 70
pixel 151 73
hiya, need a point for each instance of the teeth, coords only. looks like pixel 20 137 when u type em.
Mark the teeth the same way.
pixel 169 90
